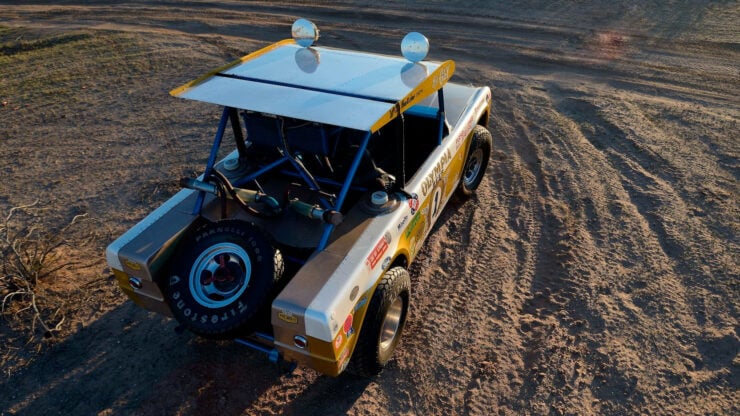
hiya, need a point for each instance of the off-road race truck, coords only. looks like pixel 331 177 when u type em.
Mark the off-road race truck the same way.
pixel 297 242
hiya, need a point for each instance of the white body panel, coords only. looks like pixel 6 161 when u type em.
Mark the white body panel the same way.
pixel 333 303
pixel 114 248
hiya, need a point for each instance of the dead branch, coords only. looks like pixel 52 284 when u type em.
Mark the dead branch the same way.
pixel 29 256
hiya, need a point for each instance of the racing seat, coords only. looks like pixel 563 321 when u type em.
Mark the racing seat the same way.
pixel 309 140
pixel 369 175
pixel 263 132
pixel 267 135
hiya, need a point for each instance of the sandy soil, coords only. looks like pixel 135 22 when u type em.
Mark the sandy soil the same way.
pixel 596 272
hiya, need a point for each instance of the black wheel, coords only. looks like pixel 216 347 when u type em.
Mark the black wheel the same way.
pixel 383 324
pixel 477 161
pixel 221 276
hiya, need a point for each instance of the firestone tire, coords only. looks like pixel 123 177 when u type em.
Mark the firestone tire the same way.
pixel 383 324
pixel 476 163
pixel 221 277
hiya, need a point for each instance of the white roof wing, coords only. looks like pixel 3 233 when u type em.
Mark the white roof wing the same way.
pixel 331 109
pixel 325 85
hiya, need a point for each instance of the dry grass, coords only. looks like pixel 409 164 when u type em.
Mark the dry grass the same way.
pixel 32 303
pixel 42 300
pixel 54 279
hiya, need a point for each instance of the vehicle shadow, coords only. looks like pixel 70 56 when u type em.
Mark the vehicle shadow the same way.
pixel 130 361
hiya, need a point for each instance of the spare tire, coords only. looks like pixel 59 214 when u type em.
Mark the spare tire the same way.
pixel 221 275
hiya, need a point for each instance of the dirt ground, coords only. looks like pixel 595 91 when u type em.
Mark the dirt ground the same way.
pixel 596 271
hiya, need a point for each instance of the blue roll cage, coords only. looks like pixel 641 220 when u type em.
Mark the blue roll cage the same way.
pixel 344 190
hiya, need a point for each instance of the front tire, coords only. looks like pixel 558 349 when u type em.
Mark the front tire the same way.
pixel 221 276
pixel 477 161
pixel 383 324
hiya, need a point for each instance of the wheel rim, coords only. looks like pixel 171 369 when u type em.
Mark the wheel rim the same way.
pixel 391 324
pixel 220 275
pixel 475 161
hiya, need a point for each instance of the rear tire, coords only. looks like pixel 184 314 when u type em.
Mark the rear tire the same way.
pixel 383 324
pixel 476 163
pixel 221 276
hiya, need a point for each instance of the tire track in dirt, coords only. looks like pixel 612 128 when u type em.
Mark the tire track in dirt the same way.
pixel 662 249
pixel 653 195
pixel 594 272
pixel 517 229
pixel 548 351
pixel 577 190
pixel 457 306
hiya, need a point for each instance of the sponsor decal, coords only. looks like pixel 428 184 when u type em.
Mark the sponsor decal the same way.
pixel 442 77
pixel 402 223
pixel 464 133
pixel 423 229
pixel 396 110
pixel 334 324
pixel 347 328
pixel 386 263
pixel 459 139
pixel 287 316
pixel 437 200
pixel 436 204
pixel 412 225
pixel 380 248
pixel 425 224
pixel 338 341
pixel 414 203
pixel 343 359
pixel 353 294
pixel 131 264
pixel 436 173
pixel 360 304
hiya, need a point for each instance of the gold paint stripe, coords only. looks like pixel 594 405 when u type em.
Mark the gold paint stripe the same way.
pixel 431 84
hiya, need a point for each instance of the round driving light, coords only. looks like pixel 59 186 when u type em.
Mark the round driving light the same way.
pixel 415 46
pixel 300 341
pixel 135 282
pixel 305 33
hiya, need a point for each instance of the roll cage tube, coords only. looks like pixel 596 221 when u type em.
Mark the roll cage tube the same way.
pixel 328 228
pixel 212 157
pixel 441 114
pixel 241 146
pixel 228 114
